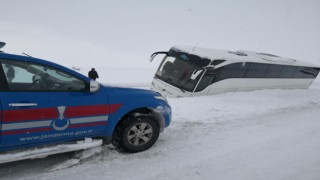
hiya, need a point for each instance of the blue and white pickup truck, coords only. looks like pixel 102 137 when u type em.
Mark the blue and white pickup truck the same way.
pixel 43 103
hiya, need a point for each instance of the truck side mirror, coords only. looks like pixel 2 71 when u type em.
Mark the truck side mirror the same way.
pixel 94 86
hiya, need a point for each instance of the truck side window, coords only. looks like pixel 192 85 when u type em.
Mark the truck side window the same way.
pixel 26 76
pixel 3 80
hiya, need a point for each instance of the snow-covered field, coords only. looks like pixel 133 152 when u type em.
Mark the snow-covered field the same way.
pixel 269 134
pixel 263 135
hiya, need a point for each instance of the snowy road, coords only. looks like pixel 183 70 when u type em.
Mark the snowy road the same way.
pixel 244 135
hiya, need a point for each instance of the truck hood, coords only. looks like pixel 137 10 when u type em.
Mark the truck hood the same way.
pixel 132 91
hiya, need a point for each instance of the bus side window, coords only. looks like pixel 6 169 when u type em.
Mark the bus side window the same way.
pixel 273 71
pixel 206 80
pixel 287 71
pixel 216 62
pixel 256 70
pixel 235 70
pixel 299 73
pixel 310 72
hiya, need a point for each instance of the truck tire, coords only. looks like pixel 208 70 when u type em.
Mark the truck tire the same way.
pixel 136 134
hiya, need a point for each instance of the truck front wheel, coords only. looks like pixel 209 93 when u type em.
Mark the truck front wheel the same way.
pixel 136 134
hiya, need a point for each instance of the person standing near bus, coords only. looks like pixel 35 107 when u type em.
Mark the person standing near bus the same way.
pixel 93 74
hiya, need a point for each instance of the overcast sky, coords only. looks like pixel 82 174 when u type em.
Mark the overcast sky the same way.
pixel 125 33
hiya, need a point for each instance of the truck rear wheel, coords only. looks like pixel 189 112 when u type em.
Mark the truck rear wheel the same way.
pixel 136 134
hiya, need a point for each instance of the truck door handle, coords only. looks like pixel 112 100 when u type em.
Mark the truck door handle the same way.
pixel 22 104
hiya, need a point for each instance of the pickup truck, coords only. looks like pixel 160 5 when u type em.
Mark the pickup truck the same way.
pixel 43 103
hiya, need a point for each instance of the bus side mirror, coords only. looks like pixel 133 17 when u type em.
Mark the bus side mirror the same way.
pixel 196 73
pixel 156 53
pixel 94 86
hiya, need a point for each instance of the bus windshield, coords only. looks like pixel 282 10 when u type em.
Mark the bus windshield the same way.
pixel 181 70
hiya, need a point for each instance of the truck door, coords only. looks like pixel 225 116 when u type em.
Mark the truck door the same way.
pixel 45 104
pixel 3 87
pixel 0 121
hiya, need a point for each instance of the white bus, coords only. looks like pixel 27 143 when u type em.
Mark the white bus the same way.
pixel 194 71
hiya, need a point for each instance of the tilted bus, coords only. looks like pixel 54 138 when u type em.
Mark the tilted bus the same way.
pixel 193 71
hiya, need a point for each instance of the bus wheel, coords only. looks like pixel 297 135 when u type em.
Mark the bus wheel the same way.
pixel 136 134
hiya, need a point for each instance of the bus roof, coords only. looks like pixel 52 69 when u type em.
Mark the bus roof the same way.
pixel 241 56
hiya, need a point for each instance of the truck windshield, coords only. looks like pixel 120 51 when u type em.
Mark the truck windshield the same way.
pixel 181 70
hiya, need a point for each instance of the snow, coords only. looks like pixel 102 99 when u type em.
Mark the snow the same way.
pixel 251 56
pixel 137 77
pixel 43 152
pixel 77 158
pixel 270 134
pixel 267 134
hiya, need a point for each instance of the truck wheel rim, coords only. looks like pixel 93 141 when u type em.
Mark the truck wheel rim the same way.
pixel 140 134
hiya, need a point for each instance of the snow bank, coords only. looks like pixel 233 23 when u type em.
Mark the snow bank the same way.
pixel 267 134
pixel 237 105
